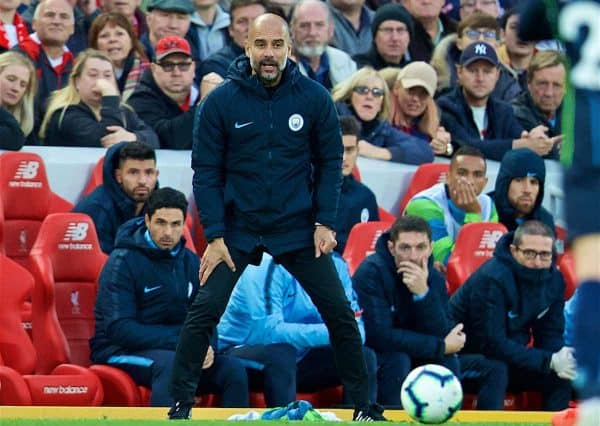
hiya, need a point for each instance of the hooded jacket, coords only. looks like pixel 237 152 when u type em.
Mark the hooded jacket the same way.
pixel 517 163
pixel 172 125
pixel 502 129
pixel 143 295
pixel 503 304
pixel 108 205
pixel 267 164
pixel 395 320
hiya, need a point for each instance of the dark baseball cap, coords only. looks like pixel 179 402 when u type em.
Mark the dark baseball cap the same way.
pixel 181 6
pixel 479 51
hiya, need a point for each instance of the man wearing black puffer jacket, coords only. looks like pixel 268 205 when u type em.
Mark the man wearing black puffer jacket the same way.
pixel 267 160
pixel 144 292
pixel 405 311
pixel 519 190
pixel 129 175
pixel 512 309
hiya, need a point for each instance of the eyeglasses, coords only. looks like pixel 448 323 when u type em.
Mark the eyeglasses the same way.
pixel 388 31
pixel 170 66
pixel 364 90
pixel 476 35
pixel 530 254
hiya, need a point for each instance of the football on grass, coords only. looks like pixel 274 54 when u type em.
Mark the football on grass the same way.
pixel 431 394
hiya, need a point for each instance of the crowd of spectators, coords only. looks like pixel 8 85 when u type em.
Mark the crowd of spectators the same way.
pixel 411 80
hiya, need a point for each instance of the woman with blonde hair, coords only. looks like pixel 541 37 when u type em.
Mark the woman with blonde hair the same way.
pixel 412 108
pixel 88 110
pixel 365 95
pixel 113 34
pixel 17 93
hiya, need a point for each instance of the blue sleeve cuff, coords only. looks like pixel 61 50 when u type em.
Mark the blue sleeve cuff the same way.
pixel 417 298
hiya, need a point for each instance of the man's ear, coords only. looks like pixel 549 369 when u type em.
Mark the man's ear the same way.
pixel 118 176
pixel 147 220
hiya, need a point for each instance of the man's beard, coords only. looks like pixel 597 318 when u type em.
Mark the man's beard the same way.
pixel 311 51
pixel 268 78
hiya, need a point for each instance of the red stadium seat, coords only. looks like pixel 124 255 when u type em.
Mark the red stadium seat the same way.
pixel 385 216
pixel 361 242
pixel 196 228
pixel 25 200
pixel 96 178
pixel 66 260
pixel 474 245
pixel 566 265
pixel 561 242
pixel 64 385
pixel 425 177
pixel 356 173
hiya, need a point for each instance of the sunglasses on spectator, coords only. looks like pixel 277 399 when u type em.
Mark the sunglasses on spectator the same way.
pixel 530 254
pixel 170 66
pixel 364 90
pixel 476 35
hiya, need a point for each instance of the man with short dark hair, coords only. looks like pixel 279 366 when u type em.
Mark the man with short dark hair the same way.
pixel 473 117
pixel 515 53
pixel 469 7
pixel 357 202
pixel 129 175
pixel 166 96
pixel 519 189
pixel 448 206
pixel 392 29
pixel 405 310
pixel 144 291
pixel 352 20
pixel 512 309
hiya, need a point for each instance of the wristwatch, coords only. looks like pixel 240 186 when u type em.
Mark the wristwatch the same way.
pixel 449 149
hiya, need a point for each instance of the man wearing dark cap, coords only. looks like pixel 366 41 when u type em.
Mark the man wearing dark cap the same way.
pixel 392 28
pixel 166 96
pixel 169 18
pixel 519 190
pixel 475 118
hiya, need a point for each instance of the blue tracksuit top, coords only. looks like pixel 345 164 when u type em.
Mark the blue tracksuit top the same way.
pixel 267 164
pixel 278 310
pixel 143 295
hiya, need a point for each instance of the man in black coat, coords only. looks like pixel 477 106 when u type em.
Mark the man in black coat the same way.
pixel 512 309
pixel 267 160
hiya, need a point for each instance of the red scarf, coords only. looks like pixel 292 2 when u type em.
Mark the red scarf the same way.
pixel 186 105
pixel 22 33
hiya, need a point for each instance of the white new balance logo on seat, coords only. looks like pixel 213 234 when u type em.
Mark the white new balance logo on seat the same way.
pixel 489 239
pixel 27 170
pixel 76 231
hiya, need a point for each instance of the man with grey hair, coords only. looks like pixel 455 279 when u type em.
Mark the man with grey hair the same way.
pixel 53 22
pixel 312 29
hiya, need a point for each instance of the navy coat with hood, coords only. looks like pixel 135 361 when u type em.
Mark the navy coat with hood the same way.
pixel 267 164
pixel 503 304
pixel 108 205
pixel 518 163
pixel 143 295
pixel 394 320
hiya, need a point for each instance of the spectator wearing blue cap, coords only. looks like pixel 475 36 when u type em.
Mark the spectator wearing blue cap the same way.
pixel 475 118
